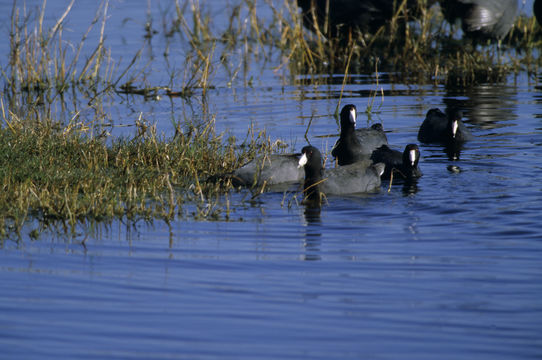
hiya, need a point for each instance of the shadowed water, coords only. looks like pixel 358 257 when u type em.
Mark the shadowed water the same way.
pixel 447 268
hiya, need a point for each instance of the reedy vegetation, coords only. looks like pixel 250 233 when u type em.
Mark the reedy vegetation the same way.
pixel 71 171
pixel 68 177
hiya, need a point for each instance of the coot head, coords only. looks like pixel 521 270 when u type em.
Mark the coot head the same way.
pixel 348 117
pixel 311 161
pixel 454 118
pixel 348 148
pixel 411 155
pixel 434 112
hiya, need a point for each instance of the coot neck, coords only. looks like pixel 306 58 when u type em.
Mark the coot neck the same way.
pixel 311 188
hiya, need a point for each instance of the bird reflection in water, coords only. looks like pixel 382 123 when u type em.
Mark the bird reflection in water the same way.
pixel 410 187
pixel 486 106
pixel 453 151
pixel 313 234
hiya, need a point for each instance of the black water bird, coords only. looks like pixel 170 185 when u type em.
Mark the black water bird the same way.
pixel 355 145
pixel 360 177
pixel 371 138
pixel 404 165
pixel 269 170
pixel 481 19
pixel 341 17
pixel 537 10
pixel 446 129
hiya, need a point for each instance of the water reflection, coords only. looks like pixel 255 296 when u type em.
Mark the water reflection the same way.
pixel 410 187
pixel 538 97
pixel 486 106
pixel 313 234
pixel 453 151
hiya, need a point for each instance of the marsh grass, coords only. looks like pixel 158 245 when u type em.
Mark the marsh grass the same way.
pixel 423 49
pixel 69 177
pixel 70 171
pixel 43 66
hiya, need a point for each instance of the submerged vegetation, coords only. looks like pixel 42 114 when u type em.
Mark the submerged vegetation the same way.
pixel 59 163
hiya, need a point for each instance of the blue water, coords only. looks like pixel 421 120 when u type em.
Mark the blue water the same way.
pixel 450 269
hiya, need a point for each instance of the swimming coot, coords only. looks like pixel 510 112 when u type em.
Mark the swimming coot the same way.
pixel 355 145
pixel 371 138
pixel 404 164
pixel 360 177
pixel 481 19
pixel 269 170
pixel 443 129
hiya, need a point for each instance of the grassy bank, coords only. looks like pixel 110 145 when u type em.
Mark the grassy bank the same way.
pixel 60 167
pixel 64 175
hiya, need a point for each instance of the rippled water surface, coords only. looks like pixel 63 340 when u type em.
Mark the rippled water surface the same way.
pixel 449 269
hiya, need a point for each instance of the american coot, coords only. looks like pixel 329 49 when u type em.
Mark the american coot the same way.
pixel 360 177
pixel 269 170
pixel 440 128
pixel 371 138
pixel 405 163
pixel 481 19
pixel 537 10
pixel 355 145
pixel 343 16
